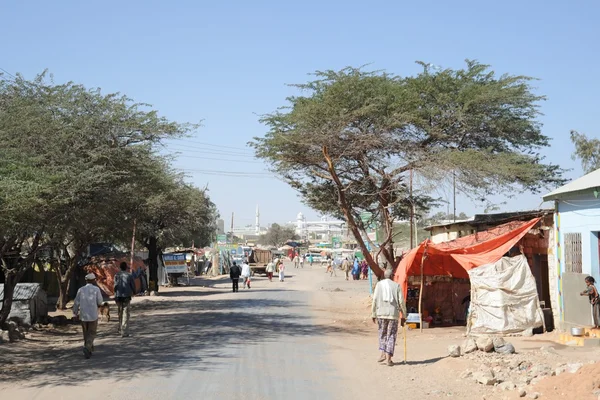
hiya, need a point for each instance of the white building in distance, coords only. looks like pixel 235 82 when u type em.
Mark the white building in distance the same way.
pixel 324 229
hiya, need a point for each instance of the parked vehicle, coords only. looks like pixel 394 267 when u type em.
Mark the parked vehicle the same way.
pixel 317 257
pixel 258 260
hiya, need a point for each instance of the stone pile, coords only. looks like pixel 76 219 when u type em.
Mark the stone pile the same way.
pixel 498 366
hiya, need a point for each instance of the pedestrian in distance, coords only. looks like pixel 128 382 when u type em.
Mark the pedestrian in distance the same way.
pixel 270 269
pixel 364 267
pixel 296 261
pixel 281 272
pixel 246 272
pixel 388 303
pixel 331 267
pixel 234 273
pixel 124 288
pixel 346 267
pixel 302 262
pixel 85 309
pixel 310 260
pixel 594 297
pixel 356 270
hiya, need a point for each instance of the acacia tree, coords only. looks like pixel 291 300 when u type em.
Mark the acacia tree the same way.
pixel 587 151
pixel 349 142
pixel 73 165
pixel 278 235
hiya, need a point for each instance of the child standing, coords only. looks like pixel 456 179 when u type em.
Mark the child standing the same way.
pixel 281 272
pixel 592 293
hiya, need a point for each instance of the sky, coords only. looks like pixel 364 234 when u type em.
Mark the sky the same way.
pixel 225 63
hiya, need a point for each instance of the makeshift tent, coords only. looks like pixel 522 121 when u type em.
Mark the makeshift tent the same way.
pixel 106 266
pixel 504 298
pixel 455 258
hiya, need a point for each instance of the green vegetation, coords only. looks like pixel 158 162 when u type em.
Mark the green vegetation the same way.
pixel 348 142
pixel 78 167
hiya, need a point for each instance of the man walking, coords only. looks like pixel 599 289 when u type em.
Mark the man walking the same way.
pixel 85 308
pixel 234 274
pixel 124 291
pixel 388 302
pixel 346 267
pixel 270 269
pixel 246 272
pixel 296 261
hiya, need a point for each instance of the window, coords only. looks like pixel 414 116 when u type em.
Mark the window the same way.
pixel 573 252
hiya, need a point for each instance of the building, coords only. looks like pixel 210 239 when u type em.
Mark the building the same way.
pixel 323 230
pixel 577 251
pixel 30 303
pixel 220 226
pixel 537 246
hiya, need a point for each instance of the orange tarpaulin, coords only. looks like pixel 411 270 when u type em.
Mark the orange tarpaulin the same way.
pixel 456 257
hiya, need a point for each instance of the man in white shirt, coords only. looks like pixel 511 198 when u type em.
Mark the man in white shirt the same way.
pixel 246 274
pixel 85 308
pixel 388 303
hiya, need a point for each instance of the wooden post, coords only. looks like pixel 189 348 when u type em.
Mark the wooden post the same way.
pixel 421 289
pixel 132 246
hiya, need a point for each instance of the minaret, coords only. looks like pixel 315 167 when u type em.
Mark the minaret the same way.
pixel 257 225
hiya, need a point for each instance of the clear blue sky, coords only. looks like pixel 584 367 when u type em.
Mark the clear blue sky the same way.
pixel 225 62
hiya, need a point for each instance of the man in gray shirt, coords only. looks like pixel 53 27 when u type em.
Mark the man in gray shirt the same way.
pixel 124 291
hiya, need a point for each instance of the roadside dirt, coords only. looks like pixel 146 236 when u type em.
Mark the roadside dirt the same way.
pixel 342 311
pixel 428 370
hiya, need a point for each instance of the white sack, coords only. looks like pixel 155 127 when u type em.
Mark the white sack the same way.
pixel 504 298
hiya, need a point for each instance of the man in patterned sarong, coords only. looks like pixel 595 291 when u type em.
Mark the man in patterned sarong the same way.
pixel 388 303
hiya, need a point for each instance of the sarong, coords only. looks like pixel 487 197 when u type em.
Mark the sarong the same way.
pixel 388 330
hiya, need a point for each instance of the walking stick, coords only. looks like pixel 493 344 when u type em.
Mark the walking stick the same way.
pixel 404 332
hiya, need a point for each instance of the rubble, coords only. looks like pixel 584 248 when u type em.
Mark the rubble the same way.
pixel 469 346
pixel 454 351
pixel 512 371
pixel 485 344
pixel 485 377
pixel 572 368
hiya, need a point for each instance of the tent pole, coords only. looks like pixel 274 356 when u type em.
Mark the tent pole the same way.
pixel 421 289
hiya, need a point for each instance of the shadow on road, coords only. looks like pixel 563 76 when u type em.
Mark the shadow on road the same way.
pixel 166 336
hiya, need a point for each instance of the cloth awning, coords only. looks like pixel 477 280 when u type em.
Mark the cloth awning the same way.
pixel 456 257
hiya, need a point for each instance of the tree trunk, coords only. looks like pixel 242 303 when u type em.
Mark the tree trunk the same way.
pixel 63 296
pixel 153 262
pixel 13 275
pixel 350 218
pixel 10 282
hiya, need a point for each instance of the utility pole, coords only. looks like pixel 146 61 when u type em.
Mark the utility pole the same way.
pixel 454 189
pixel 132 246
pixel 412 211
pixel 231 227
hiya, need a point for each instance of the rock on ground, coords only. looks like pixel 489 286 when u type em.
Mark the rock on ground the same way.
pixel 572 368
pixel 469 346
pixel 507 386
pixel 454 351
pixel 485 344
pixel 485 377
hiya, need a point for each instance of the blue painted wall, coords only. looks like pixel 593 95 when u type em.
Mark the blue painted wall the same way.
pixel 581 214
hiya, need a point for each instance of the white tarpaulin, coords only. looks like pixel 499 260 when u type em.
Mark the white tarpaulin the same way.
pixel 504 298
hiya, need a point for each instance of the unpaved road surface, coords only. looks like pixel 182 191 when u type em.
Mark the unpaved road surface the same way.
pixel 309 337
pixel 190 343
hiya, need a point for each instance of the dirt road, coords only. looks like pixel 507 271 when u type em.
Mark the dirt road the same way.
pixel 309 337
pixel 188 343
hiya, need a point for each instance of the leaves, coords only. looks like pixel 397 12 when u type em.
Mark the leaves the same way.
pixel 586 150
pixel 349 140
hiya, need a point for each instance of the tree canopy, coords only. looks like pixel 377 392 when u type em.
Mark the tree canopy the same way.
pixel 278 235
pixel 348 142
pixel 587 151
pixel 78 166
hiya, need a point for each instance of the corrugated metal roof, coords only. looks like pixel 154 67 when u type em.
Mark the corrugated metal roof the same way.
pixel 23 291
pixel 496 218
pixel 586 182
